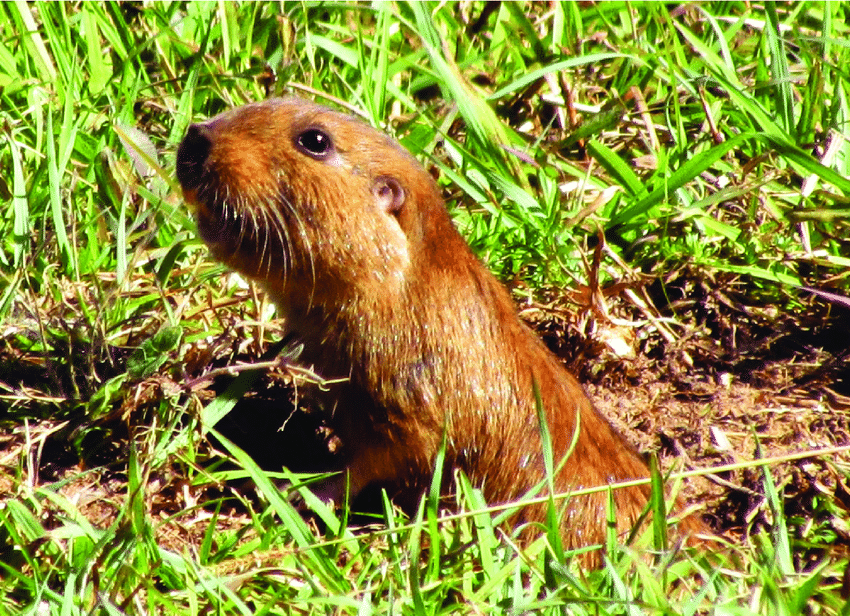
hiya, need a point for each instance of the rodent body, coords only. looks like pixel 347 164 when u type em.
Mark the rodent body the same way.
pixel 349 236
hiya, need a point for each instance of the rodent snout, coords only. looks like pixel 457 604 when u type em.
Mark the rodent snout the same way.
pixel 192 155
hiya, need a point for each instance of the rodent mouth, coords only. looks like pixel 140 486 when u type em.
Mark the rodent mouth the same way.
pixel 216 221
pixel 214 226
pixel 236 230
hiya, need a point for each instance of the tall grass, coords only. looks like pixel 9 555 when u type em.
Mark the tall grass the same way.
pixel 709 137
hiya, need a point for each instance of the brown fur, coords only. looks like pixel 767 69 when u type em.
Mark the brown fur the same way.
pixel 361 257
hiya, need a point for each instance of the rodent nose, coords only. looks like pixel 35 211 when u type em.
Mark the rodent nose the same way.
pixel 192 154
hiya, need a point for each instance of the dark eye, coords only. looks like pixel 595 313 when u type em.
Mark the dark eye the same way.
pixel 314 143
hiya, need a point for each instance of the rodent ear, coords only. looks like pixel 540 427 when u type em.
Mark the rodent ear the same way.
pixel 389 194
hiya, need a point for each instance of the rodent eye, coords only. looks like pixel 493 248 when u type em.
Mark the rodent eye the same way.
pixel 314 143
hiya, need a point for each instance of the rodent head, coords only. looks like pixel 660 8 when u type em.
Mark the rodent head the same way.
pixel 305 198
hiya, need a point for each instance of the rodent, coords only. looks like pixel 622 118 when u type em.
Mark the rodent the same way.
pixel 349 236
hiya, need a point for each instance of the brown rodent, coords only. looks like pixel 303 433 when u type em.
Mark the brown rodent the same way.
pixel 349 236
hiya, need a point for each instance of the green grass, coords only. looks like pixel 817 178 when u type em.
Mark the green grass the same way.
pixel 712 145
